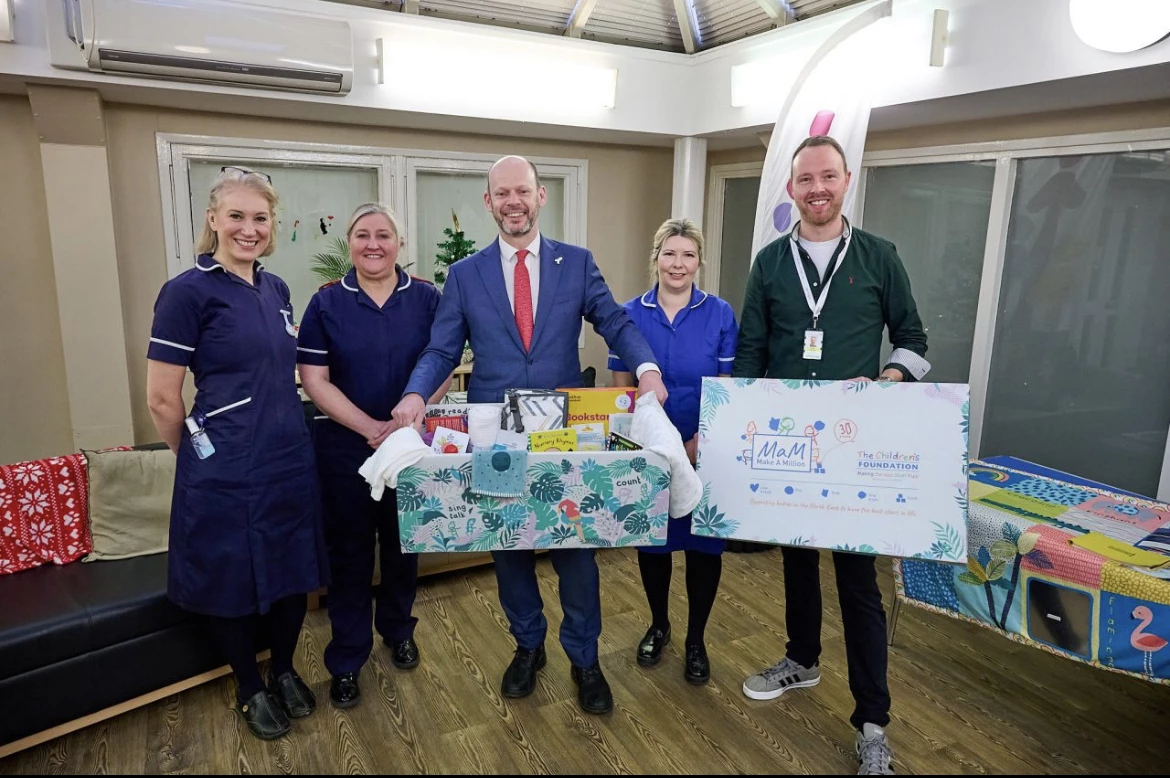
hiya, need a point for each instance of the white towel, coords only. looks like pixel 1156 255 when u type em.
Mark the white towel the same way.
pixel 401 449
pixel 653 430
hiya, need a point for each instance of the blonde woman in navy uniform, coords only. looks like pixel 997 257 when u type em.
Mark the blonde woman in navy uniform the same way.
pixel 359 340
pixel 246 537
pixel 693 334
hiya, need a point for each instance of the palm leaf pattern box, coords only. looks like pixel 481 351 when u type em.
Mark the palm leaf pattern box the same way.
pixel 571 500
pixel 1023 578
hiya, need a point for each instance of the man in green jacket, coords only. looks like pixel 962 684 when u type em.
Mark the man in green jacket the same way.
pixel 793 327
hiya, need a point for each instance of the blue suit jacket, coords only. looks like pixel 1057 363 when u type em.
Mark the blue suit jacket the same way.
pixel 475 308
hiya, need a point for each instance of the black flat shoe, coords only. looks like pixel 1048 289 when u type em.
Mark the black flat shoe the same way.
pixel 294 695
pixel 344 691
pixel 698 667
pixel 264 717
pixel 593 694
pixel 404 654
pixel 520 677
pixel 650 649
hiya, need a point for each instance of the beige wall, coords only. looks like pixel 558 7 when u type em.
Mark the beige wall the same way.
pixel 629 196
pixel 1116 118
pixel 34 404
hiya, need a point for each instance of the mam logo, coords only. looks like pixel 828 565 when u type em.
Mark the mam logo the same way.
pixel 789 453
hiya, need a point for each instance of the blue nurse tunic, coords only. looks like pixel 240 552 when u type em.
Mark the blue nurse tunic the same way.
pixel 700 342
pixel 246 525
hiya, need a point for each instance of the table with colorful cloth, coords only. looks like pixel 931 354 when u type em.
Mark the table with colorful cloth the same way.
pixel 1026 580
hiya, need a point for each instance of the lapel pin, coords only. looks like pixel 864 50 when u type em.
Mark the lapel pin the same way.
pixel 558 260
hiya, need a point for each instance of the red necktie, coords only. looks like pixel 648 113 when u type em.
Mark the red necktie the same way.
pixel 522 289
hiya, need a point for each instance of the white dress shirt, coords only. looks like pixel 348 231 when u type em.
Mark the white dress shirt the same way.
pixel 532 262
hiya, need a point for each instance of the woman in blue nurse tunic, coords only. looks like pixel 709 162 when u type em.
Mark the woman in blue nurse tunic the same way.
pixel 246 538
pixel 693 334
pixel 359 341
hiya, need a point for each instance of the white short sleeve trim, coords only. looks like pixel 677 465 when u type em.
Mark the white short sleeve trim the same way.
pixel 173 345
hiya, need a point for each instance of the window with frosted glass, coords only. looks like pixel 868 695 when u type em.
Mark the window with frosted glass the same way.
pixel 439 195
pixel 735 253
pixel 936 215
pixel 314 208
pixel 1081 359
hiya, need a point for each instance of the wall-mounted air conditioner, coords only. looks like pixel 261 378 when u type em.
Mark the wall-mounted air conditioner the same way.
pixel 214 41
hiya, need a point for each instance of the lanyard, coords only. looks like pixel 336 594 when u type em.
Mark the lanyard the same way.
pixel 816 305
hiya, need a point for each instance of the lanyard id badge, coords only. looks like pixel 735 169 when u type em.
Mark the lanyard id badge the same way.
pixel 814 338
pixel 814 344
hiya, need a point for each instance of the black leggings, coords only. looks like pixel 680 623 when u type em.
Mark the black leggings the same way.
pixel 237 638
pixel 703 571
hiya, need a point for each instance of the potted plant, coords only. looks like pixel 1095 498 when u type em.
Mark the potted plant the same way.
pixel 333 263
pixel 454 248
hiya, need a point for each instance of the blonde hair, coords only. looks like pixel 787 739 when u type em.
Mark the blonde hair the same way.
pixel 684 228
pixel 230 178
pixel 365 209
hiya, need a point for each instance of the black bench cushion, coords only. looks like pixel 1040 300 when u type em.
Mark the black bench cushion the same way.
pixel 53 612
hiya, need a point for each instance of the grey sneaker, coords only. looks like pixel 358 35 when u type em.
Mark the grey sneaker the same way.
pixel 874 756
pixel 779 678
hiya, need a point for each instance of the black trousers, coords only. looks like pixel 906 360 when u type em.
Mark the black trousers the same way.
pixel 863 616
pixel 354 524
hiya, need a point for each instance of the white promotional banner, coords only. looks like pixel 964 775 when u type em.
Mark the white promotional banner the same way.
pixel 830 96
pixel 872 467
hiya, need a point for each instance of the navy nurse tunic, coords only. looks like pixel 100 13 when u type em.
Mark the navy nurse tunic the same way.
pixel 700 342
pixel 370 352
pixel 246 526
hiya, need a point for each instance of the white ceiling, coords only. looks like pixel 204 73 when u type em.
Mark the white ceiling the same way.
pixel 650 24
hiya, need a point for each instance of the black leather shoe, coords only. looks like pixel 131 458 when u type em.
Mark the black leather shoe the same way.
pixel 264 717
pixel 698 667
pixel 404 654
pixel 294 695
pixel 520 677
pixel 344 691
pixel 593 692
pixel 650 649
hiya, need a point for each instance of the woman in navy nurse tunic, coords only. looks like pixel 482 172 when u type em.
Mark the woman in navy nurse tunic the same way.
pixel 246 537
pixel 358 343
pixel 693 334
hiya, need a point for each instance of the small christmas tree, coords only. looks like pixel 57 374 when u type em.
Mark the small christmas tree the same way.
pixel 453 249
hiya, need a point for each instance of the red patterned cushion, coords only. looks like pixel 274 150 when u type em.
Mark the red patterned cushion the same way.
pixel 44 513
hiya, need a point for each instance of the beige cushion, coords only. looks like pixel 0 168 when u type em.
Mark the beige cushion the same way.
pixel 129 502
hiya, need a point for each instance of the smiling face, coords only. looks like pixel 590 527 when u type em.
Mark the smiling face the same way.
pixel 373 247
pixel 242 222
pixel 514 197
pixel 819 183
pixel 678 261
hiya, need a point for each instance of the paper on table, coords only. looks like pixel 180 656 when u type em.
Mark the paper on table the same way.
pixel 1118 550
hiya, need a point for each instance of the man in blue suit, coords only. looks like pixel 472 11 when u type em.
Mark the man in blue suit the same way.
pixel 519 302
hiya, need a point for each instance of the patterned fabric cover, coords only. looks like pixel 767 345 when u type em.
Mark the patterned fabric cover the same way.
pixel 1024 579
pixel 44 513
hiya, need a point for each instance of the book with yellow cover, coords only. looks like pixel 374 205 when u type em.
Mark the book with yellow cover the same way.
pixel 594 406
pixel 553 440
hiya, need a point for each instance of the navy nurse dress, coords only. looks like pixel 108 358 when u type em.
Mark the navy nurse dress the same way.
pixel 246 525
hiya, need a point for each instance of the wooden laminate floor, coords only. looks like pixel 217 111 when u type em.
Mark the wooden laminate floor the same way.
pixel 965 700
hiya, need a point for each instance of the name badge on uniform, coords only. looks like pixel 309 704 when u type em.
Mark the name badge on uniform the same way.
pixel 814 344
